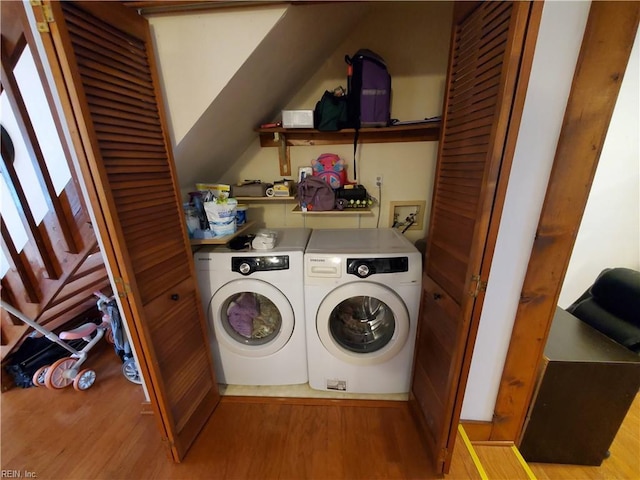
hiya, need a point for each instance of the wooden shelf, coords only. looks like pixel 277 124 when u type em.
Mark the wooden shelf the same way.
pixel 346 211
pixel 421 132
pixel 265 199
pixel 221 240
pixel 284 138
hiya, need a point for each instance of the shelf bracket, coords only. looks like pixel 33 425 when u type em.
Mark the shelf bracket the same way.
pixel 284 158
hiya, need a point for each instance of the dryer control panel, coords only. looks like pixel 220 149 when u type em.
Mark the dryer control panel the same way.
pixel 363 267
pixel 248 265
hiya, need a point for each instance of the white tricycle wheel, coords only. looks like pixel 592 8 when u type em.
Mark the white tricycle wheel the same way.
pixel 57 376
pixel 84 380
pixel 131 372
pixel 38 377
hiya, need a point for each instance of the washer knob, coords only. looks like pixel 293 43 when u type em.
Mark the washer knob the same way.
pixel 244 268
pixel 363 270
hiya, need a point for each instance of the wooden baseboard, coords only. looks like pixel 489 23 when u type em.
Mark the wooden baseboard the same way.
pixel 477 431
pixel 343 402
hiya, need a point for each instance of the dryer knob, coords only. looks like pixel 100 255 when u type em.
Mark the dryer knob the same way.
pixel 244 268
pixel 363 270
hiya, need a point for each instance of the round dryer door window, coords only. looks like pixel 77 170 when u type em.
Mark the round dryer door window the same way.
pixel 251 317
pixel 363 323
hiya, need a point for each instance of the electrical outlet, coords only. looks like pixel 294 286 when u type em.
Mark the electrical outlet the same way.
pixel 379 181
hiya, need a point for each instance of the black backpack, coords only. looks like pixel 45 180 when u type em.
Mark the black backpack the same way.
pixel 369 90
pixel 331 112
pixel 368 94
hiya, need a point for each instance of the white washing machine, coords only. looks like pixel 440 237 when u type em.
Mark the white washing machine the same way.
pixel 362 295
pixel 254 304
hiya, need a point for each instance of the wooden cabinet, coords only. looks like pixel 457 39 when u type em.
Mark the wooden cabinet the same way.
pixel 585 389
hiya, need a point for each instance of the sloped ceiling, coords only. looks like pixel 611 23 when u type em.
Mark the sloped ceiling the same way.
pixel 283 61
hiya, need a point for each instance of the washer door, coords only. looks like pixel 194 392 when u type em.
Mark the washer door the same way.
pixel 363 323
pixel 251 317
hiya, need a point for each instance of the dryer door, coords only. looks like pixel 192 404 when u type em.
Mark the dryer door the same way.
pixel 363 323
pixel 251 317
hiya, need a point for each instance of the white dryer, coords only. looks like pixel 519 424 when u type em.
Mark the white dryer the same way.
pixel 254 304
pixel 362 296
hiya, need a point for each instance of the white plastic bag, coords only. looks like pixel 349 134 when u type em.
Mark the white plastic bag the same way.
pixel 222 216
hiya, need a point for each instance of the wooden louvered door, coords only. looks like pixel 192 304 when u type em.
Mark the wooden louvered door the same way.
pixel 486 49
pixel 105 56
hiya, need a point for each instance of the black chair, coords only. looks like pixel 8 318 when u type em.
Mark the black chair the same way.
pixel 612 306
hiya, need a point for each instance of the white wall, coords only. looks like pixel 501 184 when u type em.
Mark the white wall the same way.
pixel 609 234
pixel 199 52
pixel 554 61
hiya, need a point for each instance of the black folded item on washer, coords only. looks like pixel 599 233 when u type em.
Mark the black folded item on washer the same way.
pixel 241 242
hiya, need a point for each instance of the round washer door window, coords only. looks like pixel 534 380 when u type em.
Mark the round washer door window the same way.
pixel 363 323
pixel 251 317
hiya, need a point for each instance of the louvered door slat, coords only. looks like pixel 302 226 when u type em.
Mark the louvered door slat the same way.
pixel 88 27
pixel 487 78
pixel 112 74
pixel 112 55
pixel 460 189
pixel 117 106
pixel 122 69
pixel 458 207
pixel 133 90
pixel 102 86
pixel 111 131
pixel 115 116
pixel 157 218
pixel 493 42
pixel 478 132
pixel 469 124
pixel 468 150
pixel 120 149
pixel 133 168
pixel 155 275
pixel 464 182
pixel 104 123
pixel 122 164
pixel 150 190
pixel 474 85
pixel 476 96
pixel 131 141
pixel 100 92
pixel 481 108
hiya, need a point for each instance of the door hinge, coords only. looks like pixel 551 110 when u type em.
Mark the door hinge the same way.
pixel 480 286
pixel 442 456
pixel 43 20
pixel 123 288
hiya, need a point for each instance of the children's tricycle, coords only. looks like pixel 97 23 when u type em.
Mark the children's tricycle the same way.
pixel 67 370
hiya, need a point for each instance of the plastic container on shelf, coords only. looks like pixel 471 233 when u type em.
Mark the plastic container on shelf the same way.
pixel 241 214
pixel 192 218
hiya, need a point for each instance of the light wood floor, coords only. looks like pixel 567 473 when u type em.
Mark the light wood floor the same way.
pixel 100 434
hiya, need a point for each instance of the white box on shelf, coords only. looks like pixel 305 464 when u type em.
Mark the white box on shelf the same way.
pixel 297 118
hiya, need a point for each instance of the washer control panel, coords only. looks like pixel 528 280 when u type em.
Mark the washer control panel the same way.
pixel 249 265
pixel 364 267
